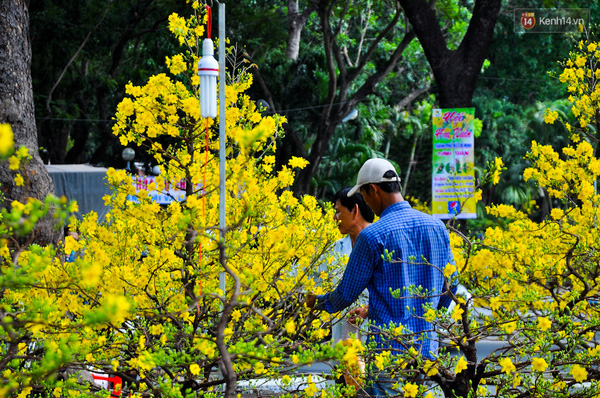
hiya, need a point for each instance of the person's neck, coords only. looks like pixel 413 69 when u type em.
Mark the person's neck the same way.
pixel 389 199
pixel 357 228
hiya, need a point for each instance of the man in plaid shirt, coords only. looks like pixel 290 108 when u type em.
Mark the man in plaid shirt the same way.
pixel 404 248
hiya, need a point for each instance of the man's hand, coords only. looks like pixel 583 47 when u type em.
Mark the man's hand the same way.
pixel 357 315
pixel 310 300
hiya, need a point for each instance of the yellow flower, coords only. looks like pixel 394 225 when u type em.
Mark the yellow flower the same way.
pixel 544 324
pixel 497 170
pixel 449 270
pixel 507 365
pixel 298 162
pixel 14 163
pixel 539 364
pixel 177 25
pixel 495 303
pixel 126 107
pixel 25 392
pixel 410 390
pixel 430 315
pixel 509 327
pixel 579 373
pixel 91 274
pixel 23 152
pixel 457 313
pixel 259 368
pixel 117 308
pixel 398 330
pixel 311 389
pixel 382 359
pixel 19 181
pixel 290 326
pixel 580 61
pixel 557 214
pixel 176 64
pixel 550 116
pixel 517 381
pixel 7 142
pixel 430 368
pixel 461 365
pixel 195 369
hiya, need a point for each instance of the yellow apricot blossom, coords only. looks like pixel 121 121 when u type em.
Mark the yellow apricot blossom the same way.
pixel 430 368
pixel 457 313
pixel 410 390
pixel 579 373
pixel 544 323
pixel 461 365
pixel 550 116
pixel 7 142
pixel 497 169
pixel 19 181
pixel 507 365
pixel 311 388
pixel 539 364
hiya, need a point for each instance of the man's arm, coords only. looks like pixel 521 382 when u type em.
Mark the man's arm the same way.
pixel 310 300
pixel 356 277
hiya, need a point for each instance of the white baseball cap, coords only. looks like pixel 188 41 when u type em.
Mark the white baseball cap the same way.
pixel 372 172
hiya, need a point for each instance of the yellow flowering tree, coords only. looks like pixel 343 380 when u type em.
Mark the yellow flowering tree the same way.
pixel 535 285
pixel 530 326
pixel 141 301
pixel 23 361
pixel 581 75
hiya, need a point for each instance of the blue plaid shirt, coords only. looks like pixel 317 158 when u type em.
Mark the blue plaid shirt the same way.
pixel 414 239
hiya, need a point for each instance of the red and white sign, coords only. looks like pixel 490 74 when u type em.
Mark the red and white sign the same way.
pixel 161 195
pixel 528 20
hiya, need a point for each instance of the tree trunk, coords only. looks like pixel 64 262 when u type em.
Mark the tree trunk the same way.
pixel 17 109
pixel 296 21
pixel 455 71
pixel 340 101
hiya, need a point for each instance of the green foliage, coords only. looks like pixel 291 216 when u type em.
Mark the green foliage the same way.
pixel 84 52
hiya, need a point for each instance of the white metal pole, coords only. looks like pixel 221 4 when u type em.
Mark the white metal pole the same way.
pixel 222 137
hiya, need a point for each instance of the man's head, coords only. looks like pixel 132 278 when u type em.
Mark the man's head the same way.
pixel 379 184
pixel 350 209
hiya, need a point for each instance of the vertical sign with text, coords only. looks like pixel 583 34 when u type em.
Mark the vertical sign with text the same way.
pixel 453 179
